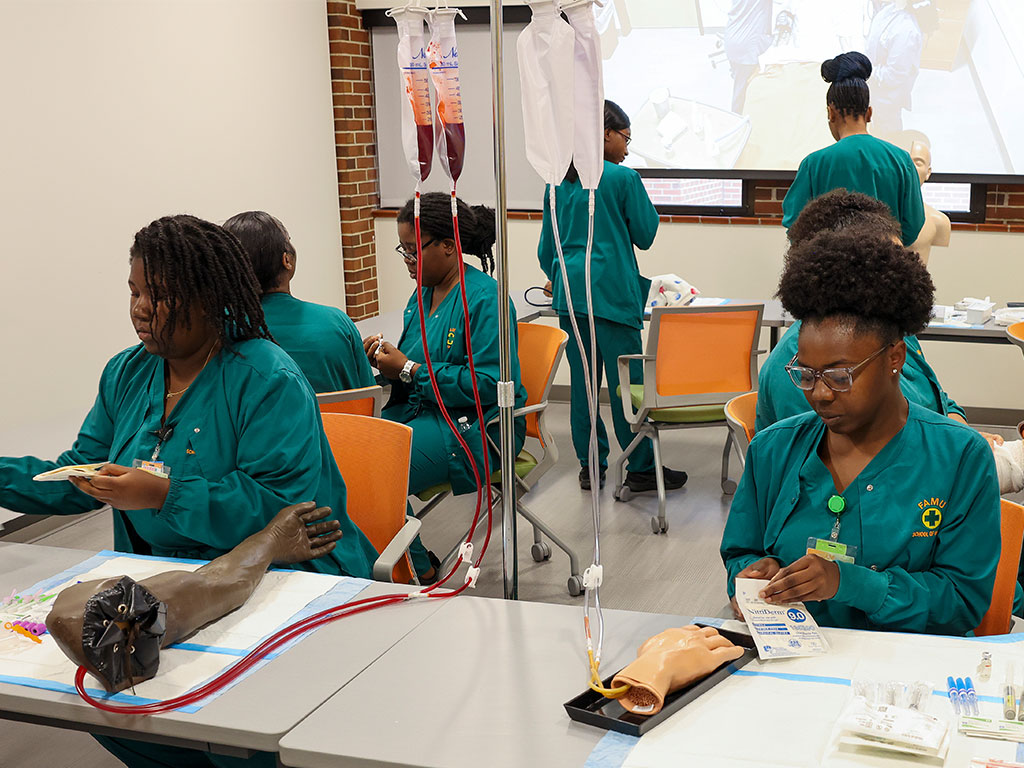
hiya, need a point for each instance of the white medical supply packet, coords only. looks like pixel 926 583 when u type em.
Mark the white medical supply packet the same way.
pixel 780 631
pixel 75 470
pixel 893 728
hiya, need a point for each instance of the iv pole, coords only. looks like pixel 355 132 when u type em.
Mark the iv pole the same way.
pixel 506 387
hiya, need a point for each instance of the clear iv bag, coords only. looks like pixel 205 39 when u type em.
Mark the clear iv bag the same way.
pixel 443 58
pixel 417 125
pixel 588 154
pixel 545 51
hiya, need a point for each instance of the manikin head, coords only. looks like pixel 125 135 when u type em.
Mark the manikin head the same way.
pixel 268 246
pixel 437 234
pixel 848 99
pixel 921 154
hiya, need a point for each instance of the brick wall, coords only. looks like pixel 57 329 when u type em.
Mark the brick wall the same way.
pixel 356 151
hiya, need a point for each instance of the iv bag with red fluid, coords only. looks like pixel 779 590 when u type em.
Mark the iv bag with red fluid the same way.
pixel 443 57
pixel 417 123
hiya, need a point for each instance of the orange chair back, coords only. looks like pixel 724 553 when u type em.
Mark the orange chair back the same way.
pixel 1016 334
pixel 540 348
pixel 702 352
pixel 361 402
pixel 997 619
pixel 743 410
pixel 373 456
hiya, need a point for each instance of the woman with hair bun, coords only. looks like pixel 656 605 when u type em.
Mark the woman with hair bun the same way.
pixel 878 512
pixel 437 456
pixel 857 161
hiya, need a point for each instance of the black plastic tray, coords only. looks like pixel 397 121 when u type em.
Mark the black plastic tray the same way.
pixel 592 708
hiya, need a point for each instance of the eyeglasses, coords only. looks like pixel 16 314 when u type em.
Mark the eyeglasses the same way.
pixel 400 250
pixel 836 379
pixel 627 138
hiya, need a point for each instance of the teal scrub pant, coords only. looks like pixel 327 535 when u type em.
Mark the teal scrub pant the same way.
pixel 613 339
pixel 141 754
pixel 428 466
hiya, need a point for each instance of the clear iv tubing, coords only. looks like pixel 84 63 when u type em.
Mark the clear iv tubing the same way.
pixel 335 613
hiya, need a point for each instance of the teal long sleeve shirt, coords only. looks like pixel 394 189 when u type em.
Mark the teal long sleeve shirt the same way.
pixel 322 340
pixel 778 398
pixel 446 340
pixel 246 441
pixel 924 513
pixel 624 218
pixel 861 163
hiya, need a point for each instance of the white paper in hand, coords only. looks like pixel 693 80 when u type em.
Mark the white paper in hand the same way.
pixel 780 631
pixel 75 470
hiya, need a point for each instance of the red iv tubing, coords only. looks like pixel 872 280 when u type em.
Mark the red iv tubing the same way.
pixel 326 616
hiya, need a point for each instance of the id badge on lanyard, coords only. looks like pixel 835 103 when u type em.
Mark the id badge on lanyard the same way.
pixel 153 466
pixel 830 548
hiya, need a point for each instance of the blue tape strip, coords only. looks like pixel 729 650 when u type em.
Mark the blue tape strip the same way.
pixel 793 677
pixel 611 751
pixel 118 698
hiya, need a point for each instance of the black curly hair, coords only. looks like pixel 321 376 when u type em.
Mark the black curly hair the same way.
pixel 839 209
pixel 865 281
pixel 476 224
pixel 265 240
pixel 187 260
pixel 848 74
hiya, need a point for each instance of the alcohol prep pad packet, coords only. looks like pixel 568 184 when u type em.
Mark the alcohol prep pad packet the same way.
pixel 780 631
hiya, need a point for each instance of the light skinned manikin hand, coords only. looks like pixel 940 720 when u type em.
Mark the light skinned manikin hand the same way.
pixel 669 661
pixel 937 228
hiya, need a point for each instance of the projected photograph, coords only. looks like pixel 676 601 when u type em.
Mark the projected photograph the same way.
pixel 736 84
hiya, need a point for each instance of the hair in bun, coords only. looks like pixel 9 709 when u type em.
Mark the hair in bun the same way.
pixel 848 74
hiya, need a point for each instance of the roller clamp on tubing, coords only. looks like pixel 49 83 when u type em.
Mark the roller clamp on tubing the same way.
pixel 466 554
pixel 593 576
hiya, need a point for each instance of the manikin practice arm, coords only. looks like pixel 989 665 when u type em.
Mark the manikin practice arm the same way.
pixel 669 661
pixel 116 627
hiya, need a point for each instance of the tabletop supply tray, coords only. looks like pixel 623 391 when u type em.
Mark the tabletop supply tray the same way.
pixel 592 708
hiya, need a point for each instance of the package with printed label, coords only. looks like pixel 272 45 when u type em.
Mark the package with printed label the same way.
pixel 781 631
pixel 893 728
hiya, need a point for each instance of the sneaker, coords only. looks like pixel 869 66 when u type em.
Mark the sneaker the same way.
pixel 639 482
pixel 431 576
pixel 585 477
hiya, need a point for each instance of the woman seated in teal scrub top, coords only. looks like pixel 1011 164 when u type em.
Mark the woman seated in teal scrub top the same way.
pixel 777 398
pixel 322 340
pixel 624 218
pixel 437 456
pixel 857 161
pixel 209 399
pixel 908 497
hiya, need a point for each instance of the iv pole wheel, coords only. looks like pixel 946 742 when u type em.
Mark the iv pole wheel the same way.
pixel 729 487
pixel 540 551
pixel 657 526
pixel 623 493
pixel 575 586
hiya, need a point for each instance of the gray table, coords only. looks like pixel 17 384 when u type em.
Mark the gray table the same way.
pixel 481 682
pixel 253 715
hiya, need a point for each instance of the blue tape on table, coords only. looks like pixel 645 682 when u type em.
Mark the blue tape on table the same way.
pixel 611 751
pixel 345 590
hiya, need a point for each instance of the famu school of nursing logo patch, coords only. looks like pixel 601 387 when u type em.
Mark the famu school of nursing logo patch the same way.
pixel 931 516
pixel 451 337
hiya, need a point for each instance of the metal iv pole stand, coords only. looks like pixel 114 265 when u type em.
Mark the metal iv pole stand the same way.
pixel 506 387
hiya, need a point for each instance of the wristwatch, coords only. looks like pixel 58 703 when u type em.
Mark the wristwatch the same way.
pixel 406 373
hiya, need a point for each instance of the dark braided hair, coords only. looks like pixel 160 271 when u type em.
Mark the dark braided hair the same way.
pixel 476 224
pixel 848 74
pixel 839 209
pixel 615 119
pixel 866 282
pixel 187 260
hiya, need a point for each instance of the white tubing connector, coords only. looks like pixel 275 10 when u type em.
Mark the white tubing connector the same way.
pixel 471 576
pixel 593 576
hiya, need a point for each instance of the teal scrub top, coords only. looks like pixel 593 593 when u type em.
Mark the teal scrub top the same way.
pixel 778 398
pixel 322 340
pixel 861 163
pixel 624 217
pixel 924 515
pixel 446 339
pixel 246 441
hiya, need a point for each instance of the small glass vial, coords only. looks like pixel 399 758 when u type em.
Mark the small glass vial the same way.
pixel 985 666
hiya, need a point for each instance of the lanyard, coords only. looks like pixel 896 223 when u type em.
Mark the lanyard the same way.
pixel 836 506
pixel 162 435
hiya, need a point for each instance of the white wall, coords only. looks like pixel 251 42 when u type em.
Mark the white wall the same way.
pixel 116 112
pixel 745 261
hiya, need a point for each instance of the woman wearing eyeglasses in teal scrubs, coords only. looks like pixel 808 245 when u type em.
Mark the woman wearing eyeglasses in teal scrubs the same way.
pixel 904 499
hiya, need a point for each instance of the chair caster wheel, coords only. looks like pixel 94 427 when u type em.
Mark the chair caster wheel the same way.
pixel 729 487
pixel 623 493
pixel 540 551
pixel 575 586
pixel 658 527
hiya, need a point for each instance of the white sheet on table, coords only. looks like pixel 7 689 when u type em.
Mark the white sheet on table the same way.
pixel 748 721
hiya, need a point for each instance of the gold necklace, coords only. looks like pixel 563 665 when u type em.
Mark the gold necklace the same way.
pixel 169 395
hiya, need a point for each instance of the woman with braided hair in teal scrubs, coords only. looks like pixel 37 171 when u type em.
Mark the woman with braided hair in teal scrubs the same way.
pixel 437 456
pixel 208 398
pixel 904 499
